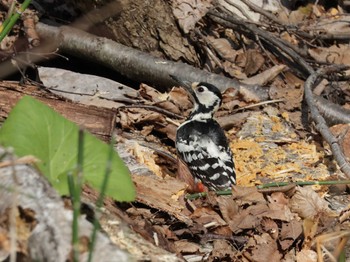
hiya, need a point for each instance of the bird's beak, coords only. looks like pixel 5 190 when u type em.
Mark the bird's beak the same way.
pixel 184 83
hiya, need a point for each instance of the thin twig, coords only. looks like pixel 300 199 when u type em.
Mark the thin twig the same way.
pixel 258 104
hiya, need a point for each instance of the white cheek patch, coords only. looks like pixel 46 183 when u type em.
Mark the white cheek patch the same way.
pixel 207 98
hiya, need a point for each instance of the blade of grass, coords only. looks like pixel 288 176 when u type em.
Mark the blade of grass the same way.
pixel 99 201
pixel 13 19
pixel 274 184
pixel 76 196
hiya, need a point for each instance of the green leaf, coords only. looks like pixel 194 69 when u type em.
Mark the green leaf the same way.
pixel 32 128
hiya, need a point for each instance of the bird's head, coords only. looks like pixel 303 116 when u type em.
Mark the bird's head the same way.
pixel 206 97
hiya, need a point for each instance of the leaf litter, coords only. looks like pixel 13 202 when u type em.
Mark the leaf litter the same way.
pixel 270 144
pixel 249 225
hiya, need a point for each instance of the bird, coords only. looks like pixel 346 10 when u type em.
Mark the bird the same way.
pixel 200 141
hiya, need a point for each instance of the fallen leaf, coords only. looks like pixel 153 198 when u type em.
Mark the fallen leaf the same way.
pixel 228 207
pixel 223 47
pixel 306 256
pixel 180 98
pixel 337 54
pixel 270 227
pixel 289 233
pixel 207 217
pixel 222 250
pixel 263 249
pixel 189 12
pixel 254 62
pixel 185 247
pixel 307 203
pixel 247 195
pixel 151 94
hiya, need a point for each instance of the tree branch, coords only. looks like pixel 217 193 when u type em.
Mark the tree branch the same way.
pixel 320 122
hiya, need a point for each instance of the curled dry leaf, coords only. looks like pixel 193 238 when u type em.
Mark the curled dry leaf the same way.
pixel 307 203
pixel 189 12
pixel 270 227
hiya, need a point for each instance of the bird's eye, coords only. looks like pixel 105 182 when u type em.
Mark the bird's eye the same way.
pixel 200 89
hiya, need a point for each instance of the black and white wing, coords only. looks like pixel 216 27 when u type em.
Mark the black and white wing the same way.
pixel 207 154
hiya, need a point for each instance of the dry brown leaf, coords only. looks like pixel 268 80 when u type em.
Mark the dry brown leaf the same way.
pixel 184 174
pixel 263 249
pixel 233 70
pixel 307 203
pixel 189 12
pixel 222 249
pixel 207 217
pixel 248 218
pixel 289 38
pixel 289 233
pixel 5 246
pixel 270 227
pixel 180 98
pixel 254 62
pixel 278 198
pixel 184 246
pixel 247 195
pixel 151 94
pixel 168 105
pixel 337 54
pixel 223 47
pixel 334 26
pixel 169 130
pixel 293 95
pixel 307 256
pixel 228 207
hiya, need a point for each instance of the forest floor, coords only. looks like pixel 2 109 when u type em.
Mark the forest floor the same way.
pixel 286 116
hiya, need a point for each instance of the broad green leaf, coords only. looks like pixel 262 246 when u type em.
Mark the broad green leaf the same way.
pixel 32 128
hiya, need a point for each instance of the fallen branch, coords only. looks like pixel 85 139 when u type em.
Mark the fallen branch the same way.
pixel 130 62
pixel 320 122
pixel 333 113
